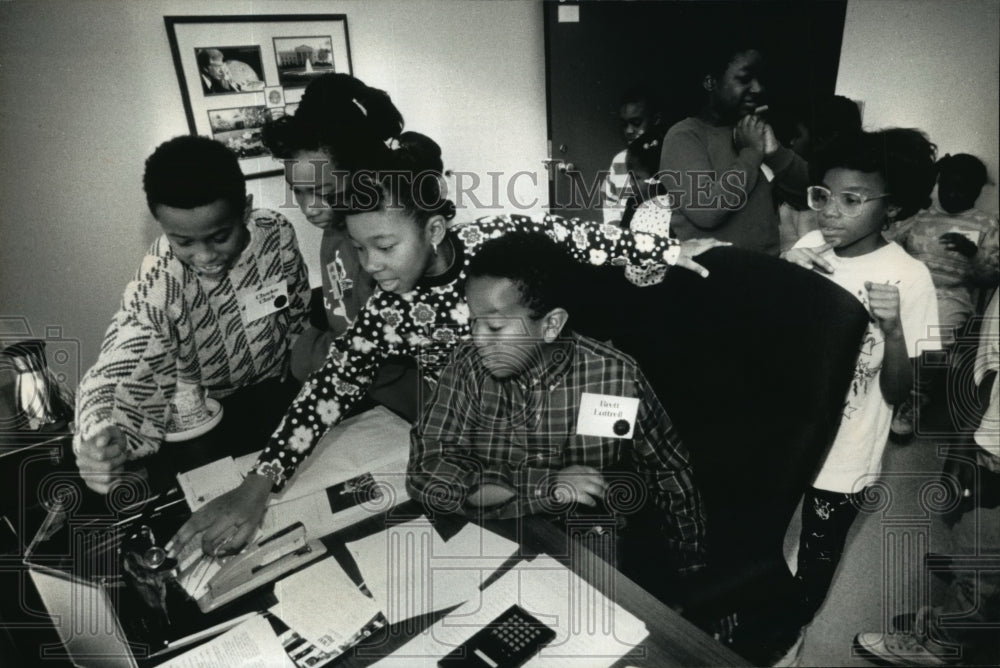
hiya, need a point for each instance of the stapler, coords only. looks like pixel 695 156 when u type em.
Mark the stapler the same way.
pixel 260 563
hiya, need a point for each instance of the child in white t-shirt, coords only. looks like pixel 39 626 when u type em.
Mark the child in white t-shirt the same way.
pixel 866 183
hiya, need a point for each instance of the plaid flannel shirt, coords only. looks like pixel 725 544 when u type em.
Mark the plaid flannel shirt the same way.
pixel 519 433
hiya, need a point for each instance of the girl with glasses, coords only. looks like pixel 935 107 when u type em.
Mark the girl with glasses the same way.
pixel 865 183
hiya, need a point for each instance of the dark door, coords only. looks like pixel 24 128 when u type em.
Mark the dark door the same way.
pixel 614 45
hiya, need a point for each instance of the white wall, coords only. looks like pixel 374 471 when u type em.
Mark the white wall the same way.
pixel 932 65
pixel 89 89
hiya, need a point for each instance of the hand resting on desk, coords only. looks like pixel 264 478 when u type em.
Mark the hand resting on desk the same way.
pixel 579 484
pixel 228 522
pixel 573 484
pixel 101 458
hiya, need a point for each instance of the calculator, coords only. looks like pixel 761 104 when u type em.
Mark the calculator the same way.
pixel 507 642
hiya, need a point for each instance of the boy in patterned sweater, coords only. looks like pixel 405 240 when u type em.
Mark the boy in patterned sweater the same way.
pixel 217 304
pixel 530 418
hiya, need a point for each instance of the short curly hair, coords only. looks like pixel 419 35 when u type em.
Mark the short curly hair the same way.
pixel 190 171
pixel 904 157
pixel 533 262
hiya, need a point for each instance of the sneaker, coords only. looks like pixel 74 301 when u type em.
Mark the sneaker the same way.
pixel 903 419
pixel 902 649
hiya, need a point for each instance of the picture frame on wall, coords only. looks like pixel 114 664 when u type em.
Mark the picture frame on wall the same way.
pixel 236 72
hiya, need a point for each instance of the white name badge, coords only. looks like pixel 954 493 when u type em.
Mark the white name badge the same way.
pixel 606 415
pixel 971 235
pixel 256 305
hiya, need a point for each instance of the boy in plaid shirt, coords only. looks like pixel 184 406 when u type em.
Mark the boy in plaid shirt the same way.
pixel 528 418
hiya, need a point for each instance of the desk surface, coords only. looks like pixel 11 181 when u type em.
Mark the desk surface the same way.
pixel 672 640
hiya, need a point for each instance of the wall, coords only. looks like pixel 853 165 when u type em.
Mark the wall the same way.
pixel 90 89
pixel 931 65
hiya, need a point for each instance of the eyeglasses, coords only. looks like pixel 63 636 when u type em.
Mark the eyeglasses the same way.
pixel 849 204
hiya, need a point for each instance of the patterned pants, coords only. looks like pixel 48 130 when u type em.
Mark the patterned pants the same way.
pixel 826 519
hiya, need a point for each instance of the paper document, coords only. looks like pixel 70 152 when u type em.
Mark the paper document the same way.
pixel 205 483
pixel 246 462
pixel 376 441
pixel 340 505
pixel 252 644
pixel 412 571
pixel 323 605
pixel 591 630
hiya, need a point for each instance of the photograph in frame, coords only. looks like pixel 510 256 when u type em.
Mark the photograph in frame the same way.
pixel 302 59
pixel 239 128
pixel 235 61
pixel 275 96
pixel 228 70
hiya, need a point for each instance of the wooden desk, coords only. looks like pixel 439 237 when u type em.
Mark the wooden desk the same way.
pixel 672 640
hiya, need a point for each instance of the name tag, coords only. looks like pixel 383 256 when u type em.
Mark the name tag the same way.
pixel 606 415
pixel 268 300
pixel 340 284
pixel 971 235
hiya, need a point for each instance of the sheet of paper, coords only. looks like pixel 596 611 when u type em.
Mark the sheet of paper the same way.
pixel 376 441
pixel 244 463
pixel 591 630
pixel 204 483
pixel 319 520
pixel 323 605
pixel 252 644
pixel 411 570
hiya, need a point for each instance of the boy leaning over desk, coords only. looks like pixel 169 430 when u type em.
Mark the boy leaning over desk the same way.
pixel 531 418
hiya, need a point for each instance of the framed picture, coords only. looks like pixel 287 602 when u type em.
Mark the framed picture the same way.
pixel 275 96
pixel 239 129
pixel 236 72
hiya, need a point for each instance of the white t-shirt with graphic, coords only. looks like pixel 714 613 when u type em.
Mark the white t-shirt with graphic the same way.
pixel 855 459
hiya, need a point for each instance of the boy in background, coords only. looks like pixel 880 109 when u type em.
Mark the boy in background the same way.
pixel 640 113
pixel 531 418
pixel 642 160
pixel 217 303
pixel 959 245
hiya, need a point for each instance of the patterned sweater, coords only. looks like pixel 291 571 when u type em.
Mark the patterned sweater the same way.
pixel 426 323
pixel 955 276
pixel 173 325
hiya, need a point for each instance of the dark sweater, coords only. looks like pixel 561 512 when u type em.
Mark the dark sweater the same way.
pixel 733 200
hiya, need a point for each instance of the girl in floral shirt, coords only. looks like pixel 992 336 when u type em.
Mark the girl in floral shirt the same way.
pixel 398 222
